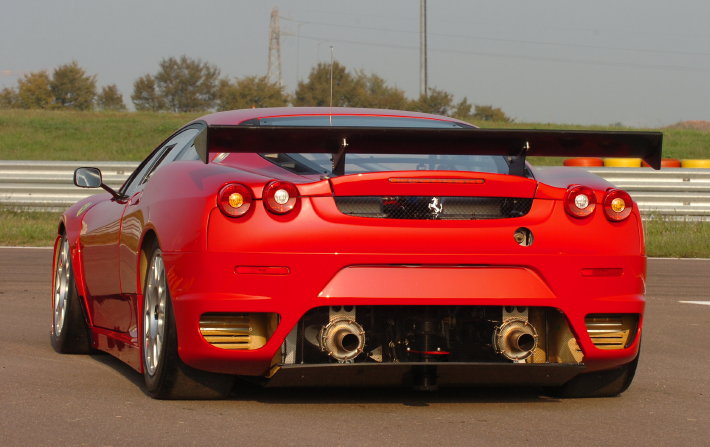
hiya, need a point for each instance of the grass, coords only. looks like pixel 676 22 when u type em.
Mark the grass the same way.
pixel 677 239
pixel 35 229
pixel 129 136
pixel 664 238
pixel 94 136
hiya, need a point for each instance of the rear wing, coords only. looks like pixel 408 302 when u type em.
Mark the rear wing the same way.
pixel 516 144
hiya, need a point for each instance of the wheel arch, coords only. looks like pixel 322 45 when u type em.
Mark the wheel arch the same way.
pixel 150 239
pixel 70 229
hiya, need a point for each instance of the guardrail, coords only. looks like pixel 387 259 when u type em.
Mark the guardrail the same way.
pixel 682 193
pixel 49 185
pixel 679 193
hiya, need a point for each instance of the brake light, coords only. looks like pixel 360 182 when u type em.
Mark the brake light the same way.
pixel 617 205
pixel 580 201
pixel 234 199
pixel 280 197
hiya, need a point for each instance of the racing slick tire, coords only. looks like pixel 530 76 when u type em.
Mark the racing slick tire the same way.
pixel 166 375
pixel 598 384
pixel 69 333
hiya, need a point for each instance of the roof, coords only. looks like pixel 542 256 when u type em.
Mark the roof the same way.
pixel 234 117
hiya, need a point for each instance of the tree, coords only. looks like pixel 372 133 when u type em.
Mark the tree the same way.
pixel 72 87
pixel 251 91
pixel 9 99
pixel 490 113
pixel 110 98
pixel 438 102
pixel 373 92
pixel 315 92
pixel 187 85
pixel 145 96
pixel 463 109
pixel 34 92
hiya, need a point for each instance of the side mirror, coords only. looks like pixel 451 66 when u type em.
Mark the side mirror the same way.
pixel 88 178
pixel 91 178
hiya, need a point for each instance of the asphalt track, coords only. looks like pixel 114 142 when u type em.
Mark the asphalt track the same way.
pixel 52 399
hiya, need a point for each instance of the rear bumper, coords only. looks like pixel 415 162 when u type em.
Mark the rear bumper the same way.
pixel 209 282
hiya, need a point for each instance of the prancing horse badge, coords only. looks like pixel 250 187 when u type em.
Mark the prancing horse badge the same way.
pixel 435 207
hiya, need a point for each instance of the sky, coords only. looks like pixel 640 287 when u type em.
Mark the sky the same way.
pixel 642 63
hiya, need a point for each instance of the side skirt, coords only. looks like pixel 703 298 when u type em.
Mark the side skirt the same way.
pixel 119 345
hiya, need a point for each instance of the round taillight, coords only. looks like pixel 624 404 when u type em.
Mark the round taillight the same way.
pixel 617 205
pixel 280 197
pixel 580 201
pixel 234 200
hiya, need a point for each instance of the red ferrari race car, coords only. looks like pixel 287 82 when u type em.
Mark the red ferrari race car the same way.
pixel 357 247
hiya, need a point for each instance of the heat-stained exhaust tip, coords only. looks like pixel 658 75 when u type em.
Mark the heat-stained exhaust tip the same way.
pixel 516 339
pixel 342 338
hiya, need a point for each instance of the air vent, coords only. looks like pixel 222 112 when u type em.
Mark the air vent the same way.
pixel 428 208
pixel 237 331
pixel 611 331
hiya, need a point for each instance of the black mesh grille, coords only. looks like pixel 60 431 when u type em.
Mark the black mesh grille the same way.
pixel 442 208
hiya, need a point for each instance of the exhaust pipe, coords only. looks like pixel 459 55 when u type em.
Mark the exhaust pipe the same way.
pixel 342 338
pixel 516 339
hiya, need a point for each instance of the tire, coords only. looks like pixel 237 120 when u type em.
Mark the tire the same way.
pixel 166 376
pixel 69 333
pixel 598 384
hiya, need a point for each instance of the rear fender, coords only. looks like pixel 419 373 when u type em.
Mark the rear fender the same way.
pixel 562 177
pixel 72 221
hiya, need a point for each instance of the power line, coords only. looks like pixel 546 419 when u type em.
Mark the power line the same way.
pixel 505 40
pixel 470 23
pixel 511 56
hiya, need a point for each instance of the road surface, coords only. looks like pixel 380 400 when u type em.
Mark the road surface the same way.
pixel 51 399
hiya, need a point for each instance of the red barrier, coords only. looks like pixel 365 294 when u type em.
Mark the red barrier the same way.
pixel 584 161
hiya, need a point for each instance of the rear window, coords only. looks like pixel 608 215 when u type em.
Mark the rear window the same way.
pixel 303 163
pixel 361 163
pixel 356 121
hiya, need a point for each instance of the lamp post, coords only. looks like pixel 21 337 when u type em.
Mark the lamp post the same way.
pixel 423 85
